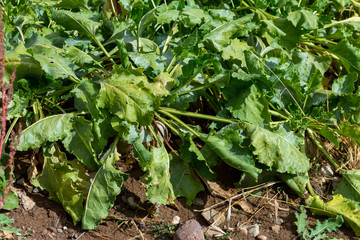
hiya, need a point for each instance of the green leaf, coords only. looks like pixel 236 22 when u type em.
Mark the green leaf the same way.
pixel 345 84
pixel 301 222
pixel 130 97
pixel 185 182
pixel 297 183
pixel 277 152
pixel 168 16
pixel 104 188
pixel 328 133
pixel 329 225
pixel 303 18
pixel 12 201
pixel 337 206
pixel 195 159
pixel 79 142
pixel 351 131
pixel 283 30
pixel 349 187
pixel 156 166
pixel 347 52
pixel 52 128
pixel 233 155
pixel 59 179
pixel 247 104
pixel 81 21
pixel 55 65
pixel 220 36
pixel 25 64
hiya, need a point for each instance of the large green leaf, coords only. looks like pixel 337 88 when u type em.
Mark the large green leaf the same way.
pixel 247 104
pixel 104 188
pixel 233 155
pixel 82 21
pixel 185 182
pixel 220 36
pixel 130 97
pixel 277 152
pixel 59 179
pixel 54 64
pixel 337 206
pixel 156 165
pixel 345 84
pixel 79 142
pixel 52 128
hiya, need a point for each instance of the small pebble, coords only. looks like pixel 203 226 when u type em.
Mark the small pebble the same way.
pixel 52 229
pixel 254 230
pixel 279 221
pixel 55 223
pixel 75 235
pixel 270 215
pixel 261 237
pixel 243 230
pixel 36 190
pixel 175 220
pixel 28 229
pixel 190 230
pixel 44 233
pixel 276 228
pixel 59 230
pixel 65 228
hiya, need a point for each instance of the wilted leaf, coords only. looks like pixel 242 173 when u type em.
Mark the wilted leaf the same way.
pixel 156 165
pixel 337 206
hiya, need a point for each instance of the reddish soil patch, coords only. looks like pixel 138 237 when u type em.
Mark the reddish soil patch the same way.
pixel 48 220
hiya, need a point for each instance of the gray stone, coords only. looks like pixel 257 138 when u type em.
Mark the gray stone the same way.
pixel 261 237
pixel 254 230
pixel 59 230
pixel 191 230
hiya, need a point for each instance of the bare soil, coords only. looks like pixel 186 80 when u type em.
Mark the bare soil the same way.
pixel 48 220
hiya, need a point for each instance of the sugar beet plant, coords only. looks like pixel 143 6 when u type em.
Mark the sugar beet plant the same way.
pixel 241 82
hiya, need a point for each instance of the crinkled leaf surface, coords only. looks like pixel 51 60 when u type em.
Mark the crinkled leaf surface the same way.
pixel 220 36
pixel 59 179
pixel 130 97
pixel 52 128
pixel 185 182
pixel 195 159
pixel 276 151
pixel 12 201
pixel 104 188
pixel 247 104
pixel 337 206
pixel 156 165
